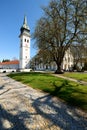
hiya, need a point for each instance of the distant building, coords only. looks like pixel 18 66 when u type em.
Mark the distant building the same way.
pixel 9 65
pixel 67 63
pixel 75 58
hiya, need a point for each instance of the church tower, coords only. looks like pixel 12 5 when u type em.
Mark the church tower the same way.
pixel 24 57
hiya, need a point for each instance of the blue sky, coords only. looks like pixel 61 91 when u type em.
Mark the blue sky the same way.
pixel 11 19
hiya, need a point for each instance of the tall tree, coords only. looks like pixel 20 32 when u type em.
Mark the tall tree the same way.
pixel 62 24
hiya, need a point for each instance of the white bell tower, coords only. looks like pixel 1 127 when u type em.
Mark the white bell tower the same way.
pixel 24 57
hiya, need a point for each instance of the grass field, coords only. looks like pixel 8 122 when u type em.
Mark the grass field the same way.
pixel 71 92
pixel 75 75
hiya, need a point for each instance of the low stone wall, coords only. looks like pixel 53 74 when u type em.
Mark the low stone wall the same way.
pixel 7 70
pixel 25 70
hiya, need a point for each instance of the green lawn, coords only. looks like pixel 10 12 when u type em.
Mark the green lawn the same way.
pixel 76 75
pixel 71 92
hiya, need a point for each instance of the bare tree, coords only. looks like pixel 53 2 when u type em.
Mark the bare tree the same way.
pixel 62 24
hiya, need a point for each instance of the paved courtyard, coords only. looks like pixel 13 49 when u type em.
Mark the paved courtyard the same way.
pixel 23 108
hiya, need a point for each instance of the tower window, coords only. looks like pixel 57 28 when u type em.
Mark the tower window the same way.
pixel 25 40
pixel 26 57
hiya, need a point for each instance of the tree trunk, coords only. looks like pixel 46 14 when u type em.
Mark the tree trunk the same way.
pixel 59 70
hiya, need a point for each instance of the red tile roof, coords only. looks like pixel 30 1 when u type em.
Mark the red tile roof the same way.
pixel 10 62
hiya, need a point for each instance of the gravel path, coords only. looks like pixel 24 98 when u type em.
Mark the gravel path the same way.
pixel 23 108
pixel 71 79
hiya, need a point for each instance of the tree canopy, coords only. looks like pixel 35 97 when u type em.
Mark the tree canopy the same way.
pixel 63 23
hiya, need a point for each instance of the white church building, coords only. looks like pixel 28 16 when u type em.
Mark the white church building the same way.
pixel 24 57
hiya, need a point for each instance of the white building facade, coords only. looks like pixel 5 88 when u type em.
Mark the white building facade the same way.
pixel 68 60
pixel 14 64
pixel 9 66
pixel 67 64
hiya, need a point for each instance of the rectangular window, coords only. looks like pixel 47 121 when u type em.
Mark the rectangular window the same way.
pixel 25 39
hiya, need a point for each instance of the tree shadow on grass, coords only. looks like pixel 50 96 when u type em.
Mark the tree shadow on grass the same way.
pixel 58 88
pixel 71 94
